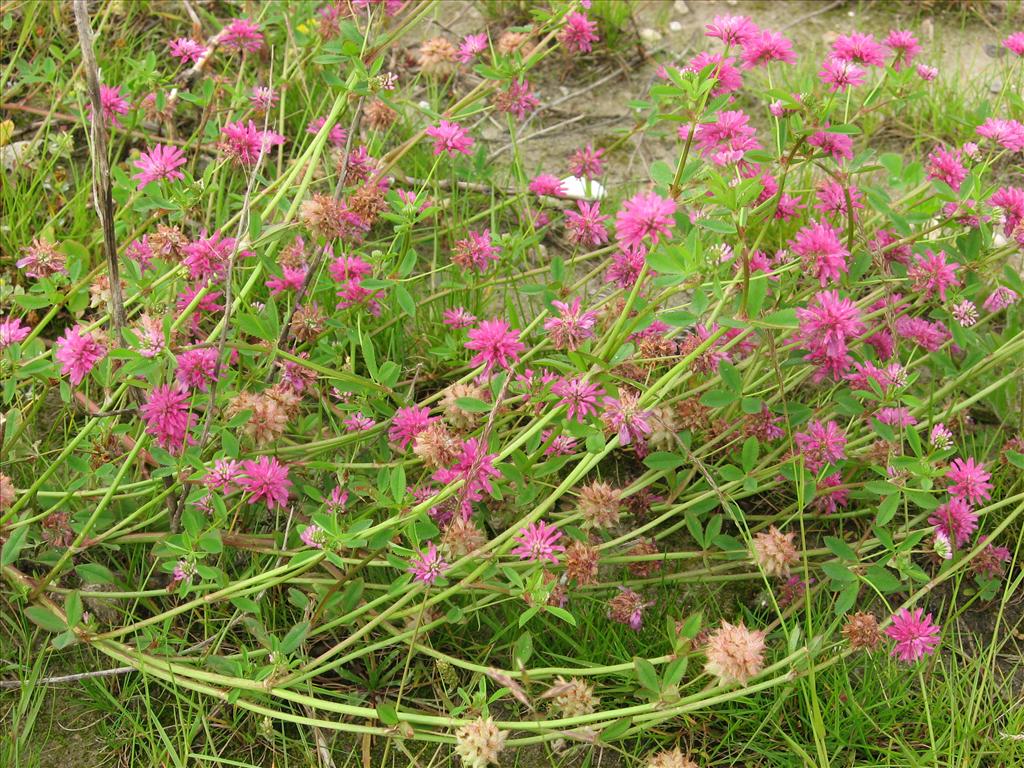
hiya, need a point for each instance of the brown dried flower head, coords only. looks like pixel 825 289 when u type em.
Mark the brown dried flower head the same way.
pixel 734 653
pixel 308 322
pixel 436 446
pixel 6 492
pixel 599 503
pixel 644 568
pixel 671 758
pixel 461 537
pixel 437 57
pixel 581 561
pixel 479 743
pixel 774 551
pixel 861 632
pixel 664 428
pixel 380 116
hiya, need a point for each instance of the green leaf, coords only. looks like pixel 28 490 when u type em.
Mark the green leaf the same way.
pixel 522 650
pixel 13 545
pixel 882 579
pixel 647 674
pixel 45 619
pixel 731 377
pixel 847 598
pixel 405 300
pixel 783 318
pixel 294 638
pixel 840 549
pixel 757 290
pixel 838 572
pixel 387 713
pixel 73 608
pixel 718 398
pixel 473 405
pixel 887 509
pixel 620 726
pixel 664 460
pixel 751 450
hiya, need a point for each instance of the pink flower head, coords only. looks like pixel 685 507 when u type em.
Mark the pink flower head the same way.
pixel 246 144
pixel 313 536
pixel 956 520
pixel 904 45
pixel 586 163
pixel 823 443
pixel 1009 134
pixel 991 561
pixel 1001 298
pixel 767 47
pixel 547 184
pixel 1015 43
pixel 839 145
pixel 476 251
pixel 968 480
pixel 338 136
pixel 450 137
pixel 572 327
pixel 829 322
pixel 265 478
pixel 732 30
pixel 242 35
pixel 586 227
pixel 112 104
pixel 927 73
pixel 168 417
pixel 947 166
pixel 932 274
pixel 538 542
pixel 42 259
pixel 475 466
pixel 915 634
pixel 896 417
pixel 187 50
pixel 930 335
pixel 496 345
pixel 579 33
pixel 832 199
pixel 428 566
pixel 458 317
pixel 196 368
pixel 840 75
pixel 721 69
pixel 642 216
pixel 209 255
pixel 821 250
pixel 78 351
pixel 12 331
pixel 407 423
pixel 940 437
pixel 859 48
pixel 292 279
pixel 358 422
pixel 471 47
pixel 626 265
pixel 578 395
pixel 518 100
pixel 1009 199
pixel 626 418
pixel 161 162
pixel 336 502
pixel 262 98
pixel 223 475
pixel 727 138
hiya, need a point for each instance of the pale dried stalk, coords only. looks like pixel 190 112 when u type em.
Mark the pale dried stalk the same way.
pixel 102 198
